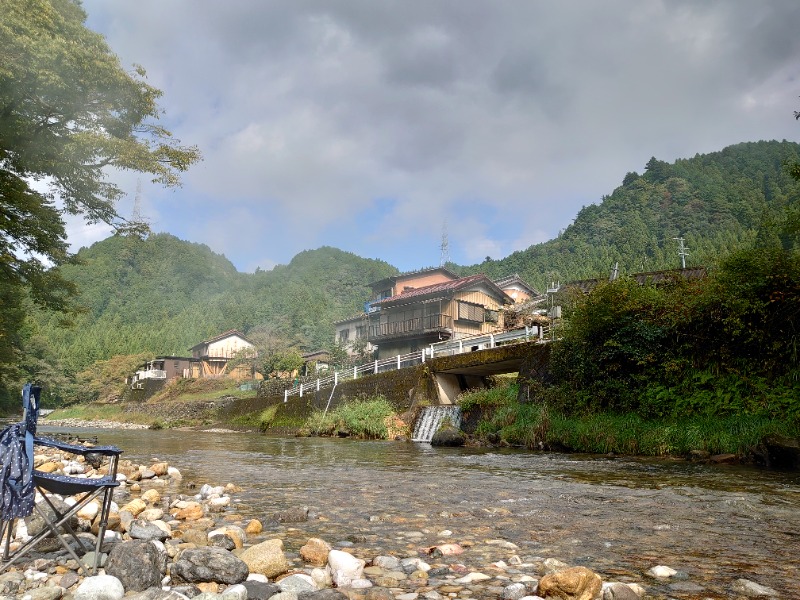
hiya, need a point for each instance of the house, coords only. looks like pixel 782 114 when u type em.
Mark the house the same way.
pixel 351 334
pixel 213 355
pixel 408 316
pixel 517 289
pixel 316 362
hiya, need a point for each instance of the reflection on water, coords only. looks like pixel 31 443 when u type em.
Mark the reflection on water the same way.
pixel 618 516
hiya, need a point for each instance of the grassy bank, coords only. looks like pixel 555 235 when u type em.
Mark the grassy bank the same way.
pixel 501 418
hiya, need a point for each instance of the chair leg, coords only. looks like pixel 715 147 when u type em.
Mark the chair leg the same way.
pixel 7 528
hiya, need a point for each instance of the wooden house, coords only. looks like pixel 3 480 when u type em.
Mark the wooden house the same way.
pixel 212 356
pixel 415 316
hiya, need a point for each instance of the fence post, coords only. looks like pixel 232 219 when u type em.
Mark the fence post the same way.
pixel 285 395
pixel 491 340
pixel 335 378
pixel 526 333
pixel 398 362
pixel 460 347
pixel 355 373
pixel 317 383
pixel 376 366
pixel 423 356
pixel 431 350
pixel 301 390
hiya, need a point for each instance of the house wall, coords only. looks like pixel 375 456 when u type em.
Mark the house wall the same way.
pixel 227 347
pixel 517 294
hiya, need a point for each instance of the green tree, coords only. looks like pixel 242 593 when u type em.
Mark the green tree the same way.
pixel 69 113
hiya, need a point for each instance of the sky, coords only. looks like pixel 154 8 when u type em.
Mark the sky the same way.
pixel 382 128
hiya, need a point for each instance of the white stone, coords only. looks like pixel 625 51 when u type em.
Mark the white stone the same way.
pixel 322 578
pixel 360 584
pixel 751 588
pixel 174 473
pixel 472 577
pixel 235 592
pixel 661 571
pixel 99 587
pixel 445 533
pixel 220 502
pixel 409 596
pixel 344 568
pixel 391 563
pixel 503 544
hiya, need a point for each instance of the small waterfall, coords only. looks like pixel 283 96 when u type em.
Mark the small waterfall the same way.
pixel 431 418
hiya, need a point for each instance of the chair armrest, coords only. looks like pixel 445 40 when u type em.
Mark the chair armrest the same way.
pixel 75 448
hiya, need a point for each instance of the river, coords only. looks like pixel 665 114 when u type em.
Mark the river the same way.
pixel 617 516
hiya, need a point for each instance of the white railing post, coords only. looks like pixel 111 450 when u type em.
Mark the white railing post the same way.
pixel 355 372
pixel 336 378
pixel 398 362
pixel 317 383
pixel 301 390
pixel 285 395
pixel 376 367
pixel 460 347
pixel 526 333
pixel 431 350
pixel 423 356
pixel 491 340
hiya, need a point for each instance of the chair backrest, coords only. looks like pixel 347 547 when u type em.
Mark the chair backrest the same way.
pixel 17 492
pixel 30 407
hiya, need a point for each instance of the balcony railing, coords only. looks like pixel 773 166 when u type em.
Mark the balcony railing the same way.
pixel 418 325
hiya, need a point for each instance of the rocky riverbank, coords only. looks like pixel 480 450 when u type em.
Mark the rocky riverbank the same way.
pixel 173 539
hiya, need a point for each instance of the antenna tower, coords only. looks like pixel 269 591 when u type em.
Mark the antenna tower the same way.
pixel 682 251
pixel 444 257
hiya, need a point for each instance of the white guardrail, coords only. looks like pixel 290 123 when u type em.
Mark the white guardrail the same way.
pixel 538 334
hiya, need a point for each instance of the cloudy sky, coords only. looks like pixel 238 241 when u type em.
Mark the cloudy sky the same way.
pixel 373 126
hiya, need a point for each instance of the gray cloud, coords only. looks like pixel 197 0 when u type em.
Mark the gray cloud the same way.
pixel 309 113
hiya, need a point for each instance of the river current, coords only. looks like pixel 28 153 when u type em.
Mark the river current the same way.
pixel 617 516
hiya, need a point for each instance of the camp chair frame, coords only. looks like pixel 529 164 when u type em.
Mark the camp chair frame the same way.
pixel 87 489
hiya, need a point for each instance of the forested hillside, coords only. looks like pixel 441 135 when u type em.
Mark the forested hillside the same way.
pixel 715 201
pixel 162 295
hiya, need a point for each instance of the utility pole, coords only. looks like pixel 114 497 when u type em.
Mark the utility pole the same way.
pixel 682 251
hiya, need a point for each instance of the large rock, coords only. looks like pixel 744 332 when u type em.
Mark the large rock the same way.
pixel 209 565
pixel 138 564
pixel 576 583
pixel 139 529
pixel 266 558
pixel 99 587
pixel 448 435
pixel 619 591
pixel 315 552
pixel 344 568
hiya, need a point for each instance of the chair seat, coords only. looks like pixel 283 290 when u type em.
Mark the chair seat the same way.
pixel 69 486
pixel 76 449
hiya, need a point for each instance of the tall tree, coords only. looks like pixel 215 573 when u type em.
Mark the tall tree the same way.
pixel 69 114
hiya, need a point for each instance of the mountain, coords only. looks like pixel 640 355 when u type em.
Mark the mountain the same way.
pixel 714 201
pixel 162 295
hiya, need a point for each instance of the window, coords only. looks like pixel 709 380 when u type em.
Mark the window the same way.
pixel 491 316
pixel 470 312
pixel 361 331
pixel 344 336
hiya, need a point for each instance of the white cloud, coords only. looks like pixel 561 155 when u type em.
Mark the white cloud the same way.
pixel 311 114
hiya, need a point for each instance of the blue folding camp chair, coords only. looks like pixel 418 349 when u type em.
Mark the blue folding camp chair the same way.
pixel 20 481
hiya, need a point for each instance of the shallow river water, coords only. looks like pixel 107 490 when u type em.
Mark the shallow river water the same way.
pixel 617 516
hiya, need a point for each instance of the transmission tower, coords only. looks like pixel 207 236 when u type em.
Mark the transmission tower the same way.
pixel 444 257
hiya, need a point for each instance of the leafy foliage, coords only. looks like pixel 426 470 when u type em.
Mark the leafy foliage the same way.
pixel 69 112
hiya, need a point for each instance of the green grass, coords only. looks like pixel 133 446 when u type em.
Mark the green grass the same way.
pixel 534 425
pixel 362 418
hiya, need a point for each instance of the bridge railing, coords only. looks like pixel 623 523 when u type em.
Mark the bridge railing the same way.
pixel 539 334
